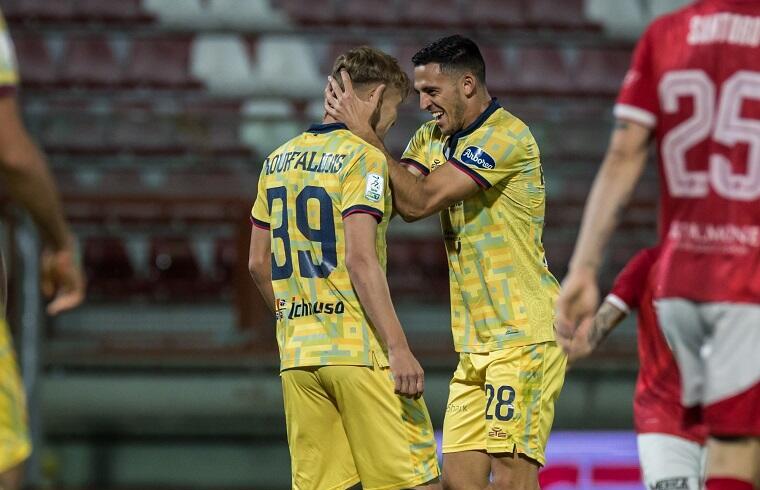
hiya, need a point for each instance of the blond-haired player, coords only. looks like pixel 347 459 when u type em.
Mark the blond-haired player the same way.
pixel 351 386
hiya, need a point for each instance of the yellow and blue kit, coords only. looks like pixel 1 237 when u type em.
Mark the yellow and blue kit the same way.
pixel 345 423
pixel 502 294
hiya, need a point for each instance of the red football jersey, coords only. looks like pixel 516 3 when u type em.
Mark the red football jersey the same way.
pixel 657 401
pixel 695 80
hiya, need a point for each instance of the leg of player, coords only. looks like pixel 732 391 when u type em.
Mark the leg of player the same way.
pixel 732 463
pixel 466 470
pixel 669 461
pixel 512 470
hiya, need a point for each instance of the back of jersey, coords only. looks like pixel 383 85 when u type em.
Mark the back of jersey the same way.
pixel 695 80
pixel 306 188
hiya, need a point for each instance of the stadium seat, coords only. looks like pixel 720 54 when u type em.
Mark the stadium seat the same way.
pixel 37 68
pixel 144 132
pixel 494 13
pixel 161 62
pixel 564 14
pixel 39 10
pixel 117 11
pixel 108 267
pixel 267 123
pixel 222 63
pixel 287 66
pixel 174 271
pixel 367 13
pixel 186 14
pixel 497 74
pixel 89 62
pixel 246 15
pixel 225 260
pixel 427 13
pixel 601 71
pixel 309 12
pixel 212 127
pixel 541 71
pixel 618 19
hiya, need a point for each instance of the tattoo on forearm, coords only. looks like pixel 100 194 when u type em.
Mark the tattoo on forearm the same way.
pixel 603 324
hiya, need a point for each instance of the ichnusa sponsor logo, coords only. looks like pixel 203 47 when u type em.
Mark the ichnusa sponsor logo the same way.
pixel 306 308
pixel 477 157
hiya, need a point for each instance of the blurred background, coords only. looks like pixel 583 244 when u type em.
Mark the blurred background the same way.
pixel 155 116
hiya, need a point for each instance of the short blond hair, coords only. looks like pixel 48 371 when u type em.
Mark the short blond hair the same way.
pixel 367 65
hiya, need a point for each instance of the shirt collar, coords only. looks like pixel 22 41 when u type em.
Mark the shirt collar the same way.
pixel 326 128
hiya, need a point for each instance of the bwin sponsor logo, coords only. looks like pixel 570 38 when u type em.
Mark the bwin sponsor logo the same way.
pixel 305 308
pixel 476 156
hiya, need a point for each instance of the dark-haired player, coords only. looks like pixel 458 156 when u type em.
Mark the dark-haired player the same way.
pixel 479 166
pixel 694 86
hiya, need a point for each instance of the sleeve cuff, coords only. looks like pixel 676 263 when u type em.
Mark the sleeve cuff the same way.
pixel 415 164
pixel 635 114
pixel 360 208
pixel 479 179
pixel 259 224
pixel 618 303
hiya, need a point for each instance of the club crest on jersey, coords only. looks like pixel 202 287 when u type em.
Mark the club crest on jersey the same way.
pixel 477 157
pixel 375 187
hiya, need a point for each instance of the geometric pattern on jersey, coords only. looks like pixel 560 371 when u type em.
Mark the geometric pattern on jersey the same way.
pixel 15 443
pixel 306 187
pixel 502 293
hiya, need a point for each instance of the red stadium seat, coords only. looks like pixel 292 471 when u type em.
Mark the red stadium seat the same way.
pixel 601 70
pixel 370 13
pixel 89 62
pixel 108 268
pixel 497 73
pixel 140 130
pixel 37 68
pixel 174 270
pixel 161 63
pixel 119 11
pixel 439 13
pixel 564 14
pixel 495 13
pixel 540 70
pixel 39 10
pixel 309 12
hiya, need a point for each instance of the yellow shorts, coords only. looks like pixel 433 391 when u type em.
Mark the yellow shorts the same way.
pixel 15 444
pixel 503 401
pixel 345 425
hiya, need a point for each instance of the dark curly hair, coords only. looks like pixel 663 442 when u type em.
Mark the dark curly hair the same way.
pixel 455 54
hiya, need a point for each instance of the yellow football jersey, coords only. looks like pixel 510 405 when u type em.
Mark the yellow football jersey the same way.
pixel 502 293
pixel 8 69
pixel 306 188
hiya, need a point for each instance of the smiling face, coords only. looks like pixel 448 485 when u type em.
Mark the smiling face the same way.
pixel 443 95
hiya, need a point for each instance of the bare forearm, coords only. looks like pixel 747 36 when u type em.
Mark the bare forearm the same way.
pixel 609 195
pixel 372 288
pixel 607 318
pixel 29 182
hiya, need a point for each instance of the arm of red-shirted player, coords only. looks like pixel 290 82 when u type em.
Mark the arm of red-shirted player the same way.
pixel 610 193
pixel 260 263
pixel 371 286
pixel 588 337
pixel 414 197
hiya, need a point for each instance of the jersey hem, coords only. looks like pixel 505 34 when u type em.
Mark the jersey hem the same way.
pixel 635 114
pixel 674 433
pixel 360 208
pixel 497 346
pixel 259 224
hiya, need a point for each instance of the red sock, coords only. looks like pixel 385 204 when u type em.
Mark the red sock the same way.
pixel 727 484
